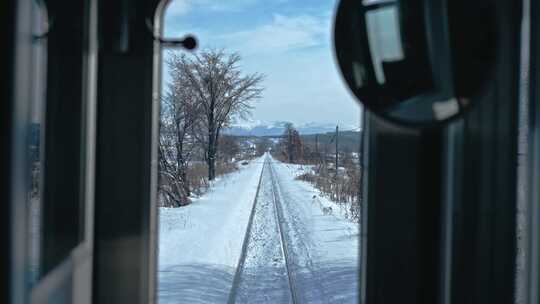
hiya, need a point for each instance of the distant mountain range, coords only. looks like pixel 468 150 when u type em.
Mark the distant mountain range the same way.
pixel 276 128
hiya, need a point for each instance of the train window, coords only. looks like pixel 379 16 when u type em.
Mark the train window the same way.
pixel 63 75
pixel 384 35
pixel 36 142
pixel 259 157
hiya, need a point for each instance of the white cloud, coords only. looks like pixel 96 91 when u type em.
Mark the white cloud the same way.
pixel 178 8
pixel 283 34
pixel 305 82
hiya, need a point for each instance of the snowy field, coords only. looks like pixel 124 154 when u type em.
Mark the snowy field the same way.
pixel 200 244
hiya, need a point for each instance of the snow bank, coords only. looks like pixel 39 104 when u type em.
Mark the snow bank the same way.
pixel 318 199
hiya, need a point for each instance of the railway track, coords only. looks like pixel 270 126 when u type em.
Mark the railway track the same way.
pixel 284 248
pixel 240 267
pixel 283 241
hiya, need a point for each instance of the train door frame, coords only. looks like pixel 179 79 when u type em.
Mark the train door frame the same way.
pixel 482 252
pixel 14 121
pixel 532 228
pixel 67 243
pixel 67 219
pixel 126 168
pixel 69 153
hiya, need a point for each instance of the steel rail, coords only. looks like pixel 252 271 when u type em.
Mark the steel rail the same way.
pixel 267 165
pixel 242 259
pixel 279 220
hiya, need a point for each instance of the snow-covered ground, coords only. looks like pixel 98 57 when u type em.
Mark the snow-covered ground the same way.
pixel 294 170
pixel 324 247
pixel 200 244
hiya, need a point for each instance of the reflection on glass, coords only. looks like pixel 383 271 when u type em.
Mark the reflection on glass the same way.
pixel 359 73
pixel 384 38
pixel 36 144
pixel 372 2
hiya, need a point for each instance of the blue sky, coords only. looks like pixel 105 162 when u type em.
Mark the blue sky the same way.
pixel 288 41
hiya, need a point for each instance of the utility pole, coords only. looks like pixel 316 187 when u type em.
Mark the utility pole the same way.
pixel 317 145
pixel 337 153
pixel 289 144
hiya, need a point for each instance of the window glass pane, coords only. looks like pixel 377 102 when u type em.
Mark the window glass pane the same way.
pixel 259 168
pixel 384 38
pixel 62 210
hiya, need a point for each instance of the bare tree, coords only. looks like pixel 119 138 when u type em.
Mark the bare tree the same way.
pixel 229 147
pixel 223 92
pixel 262 146
pixel 292 144
pixel 180 113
